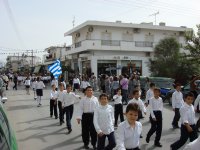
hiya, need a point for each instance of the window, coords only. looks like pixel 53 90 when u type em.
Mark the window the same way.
pixel 4 132
pixel 3 142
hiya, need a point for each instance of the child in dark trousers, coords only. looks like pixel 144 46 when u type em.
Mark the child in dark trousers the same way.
pixel 68 106
pixel 60 99
pixel 118 106
pixel 188 128
pixel 88 105
pixel 156 106
pixel 104 124
pixel 129 131
pixel 53 102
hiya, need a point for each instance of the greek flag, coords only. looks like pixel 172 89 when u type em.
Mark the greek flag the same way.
pixel 55 69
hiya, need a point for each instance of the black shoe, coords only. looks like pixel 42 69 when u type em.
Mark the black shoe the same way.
pixel 94 148
pixel 158 145
pixel 61 123
pixel 86 146
pixel 56 117
pixel 69 131
pixel 51 116
pixel 147 139
pixel 141 136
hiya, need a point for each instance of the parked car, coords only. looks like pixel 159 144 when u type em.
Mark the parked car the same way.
pixel 165 85
pixel 185 89
pixel 7 136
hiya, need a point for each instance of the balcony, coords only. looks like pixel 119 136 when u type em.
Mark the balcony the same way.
pixel 110 43
pixel 115 45
pixel 143 44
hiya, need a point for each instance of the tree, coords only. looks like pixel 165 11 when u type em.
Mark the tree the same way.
pixel 169 62
pixel 193 45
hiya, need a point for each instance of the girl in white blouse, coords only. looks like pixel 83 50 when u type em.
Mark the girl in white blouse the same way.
pixel 39 90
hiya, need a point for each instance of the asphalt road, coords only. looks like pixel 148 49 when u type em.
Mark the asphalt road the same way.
pixel 35 130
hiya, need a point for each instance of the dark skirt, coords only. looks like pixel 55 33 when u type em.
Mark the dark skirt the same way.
pixel 27 86
pixel 76 86
pixel 39 92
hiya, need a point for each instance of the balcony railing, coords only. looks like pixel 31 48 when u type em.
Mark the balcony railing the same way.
pixel 143 44
pixel 78 44
pixel 110 43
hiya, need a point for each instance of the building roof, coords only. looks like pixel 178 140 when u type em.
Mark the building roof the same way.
pixel 126 25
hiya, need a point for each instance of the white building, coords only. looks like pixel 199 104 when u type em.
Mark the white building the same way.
pixel 16 62
pixel 108 47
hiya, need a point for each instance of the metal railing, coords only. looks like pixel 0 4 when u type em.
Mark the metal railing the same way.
pixel 143 44
pixel 110 43
pixel 78 44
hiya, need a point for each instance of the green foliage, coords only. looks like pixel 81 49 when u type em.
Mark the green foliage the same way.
pixel 193 45
pixel 169 62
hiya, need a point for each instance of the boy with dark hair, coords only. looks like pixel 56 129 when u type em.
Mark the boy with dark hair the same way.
pixel 129 131
pixel 104 123
pixel 188 129
pixel 156 107
pixel 88 104
pixel 136 99
pixel 53 102
pixel 118 106
pixel 68 106
pixel 177 103
pixel 149 94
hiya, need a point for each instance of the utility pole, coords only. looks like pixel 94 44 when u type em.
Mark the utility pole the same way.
pixel 73 22
pixel 154 14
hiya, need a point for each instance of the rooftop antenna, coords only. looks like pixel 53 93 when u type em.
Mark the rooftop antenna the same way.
pixel 155 14
pixel 73 22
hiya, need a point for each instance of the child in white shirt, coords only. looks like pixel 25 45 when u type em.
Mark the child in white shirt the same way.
pixel 53 102
pixel 118 106
pixel 104 123
pixel 129 131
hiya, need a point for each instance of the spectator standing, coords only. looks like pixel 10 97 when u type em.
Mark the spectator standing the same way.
pixel 124 87
pixel 15 79
pixel 39 90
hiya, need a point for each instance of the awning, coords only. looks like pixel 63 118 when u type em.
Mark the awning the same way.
pixel 37 69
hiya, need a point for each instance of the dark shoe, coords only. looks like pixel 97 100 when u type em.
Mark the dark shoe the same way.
pixel 158 145
pixel 86 146
pixel 147 139
pixel 69 131
pixel 141 136
pixel 94 148
pixel 56 117
pixel 51 116
pixel 61 123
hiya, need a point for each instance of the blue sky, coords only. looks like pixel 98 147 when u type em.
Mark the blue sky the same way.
pixel 38 24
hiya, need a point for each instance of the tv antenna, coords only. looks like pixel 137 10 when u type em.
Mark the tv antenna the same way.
pixel 73 22
pixel 155 14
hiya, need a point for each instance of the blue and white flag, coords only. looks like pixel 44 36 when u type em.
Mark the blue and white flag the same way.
pixel 55 69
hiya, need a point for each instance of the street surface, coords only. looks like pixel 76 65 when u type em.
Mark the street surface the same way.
pixel 35 130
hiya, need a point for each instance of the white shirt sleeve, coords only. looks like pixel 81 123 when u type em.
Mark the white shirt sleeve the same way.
pixel 173 100
pixel 80 110
pixel 120 138
pixel 183 116
pixel 196 102
pixel 151 109
pixel 95 121
pixel 143 108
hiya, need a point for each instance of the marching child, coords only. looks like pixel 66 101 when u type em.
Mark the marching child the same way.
pixel 39 90
pixel 156 107
pixel 188 128
pixel 177 102
pixel 60 99
pixel 68 106
pixel 87 106
pixel 34 88
pixel 104 123
pixel 53 102
pixel 136 99
pixel 129 131
pixel 118 106
pixel 149 93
